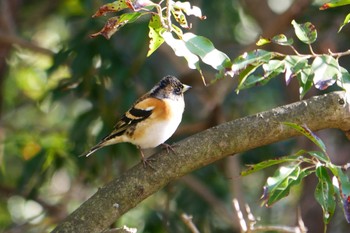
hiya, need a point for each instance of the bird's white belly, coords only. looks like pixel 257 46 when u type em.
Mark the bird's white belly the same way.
pixel 161 131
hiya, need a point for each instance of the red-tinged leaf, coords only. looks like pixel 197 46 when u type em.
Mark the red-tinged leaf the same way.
pixel 334 3
pixel 111 7
pixel 113 24
pixel 306 32
pixel 304 130
pixel 155 34
pixel 137 5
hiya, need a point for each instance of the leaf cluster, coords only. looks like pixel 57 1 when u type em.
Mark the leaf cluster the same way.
pixel 333 183
pixel 318 70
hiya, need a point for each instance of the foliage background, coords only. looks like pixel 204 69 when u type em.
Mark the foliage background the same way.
pixel 61 91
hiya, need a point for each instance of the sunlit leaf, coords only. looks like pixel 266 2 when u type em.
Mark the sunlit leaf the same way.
pixel 111 7
pixel 180 17
pixel 304 130
pixel 281 39
pixel 155 31
pixel 273 68
pixel 245 74
pixel 278 186
pixel 326 71
pixel 319 155
pixel 181 50
pixel 113 24
pixel 305 76
pixel 137 5
pixel 186 7
pixel 345 22
pixel 293 65
pixel 263 41
pixel 271 162
pixel 334 3
pixel 305 32
pixel 252 58
pixel 205 49
pixel 325 194
pixel 343 80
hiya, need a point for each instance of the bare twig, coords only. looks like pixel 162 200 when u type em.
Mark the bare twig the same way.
pixel 12 39
pixel 187 219
pixel 216 204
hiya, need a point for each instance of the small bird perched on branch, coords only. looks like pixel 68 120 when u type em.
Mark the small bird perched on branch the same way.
pixel 151 120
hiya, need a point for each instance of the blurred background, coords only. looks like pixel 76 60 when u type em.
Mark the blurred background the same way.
pixel 61 92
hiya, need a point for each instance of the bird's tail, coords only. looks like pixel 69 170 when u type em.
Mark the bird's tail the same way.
pixel 92 150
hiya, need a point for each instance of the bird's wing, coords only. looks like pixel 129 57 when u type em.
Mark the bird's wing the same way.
pixel 139 112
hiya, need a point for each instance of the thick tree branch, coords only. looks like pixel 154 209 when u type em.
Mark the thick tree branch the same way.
pixel 125 192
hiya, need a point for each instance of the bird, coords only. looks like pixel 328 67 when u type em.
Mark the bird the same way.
pixel 151 120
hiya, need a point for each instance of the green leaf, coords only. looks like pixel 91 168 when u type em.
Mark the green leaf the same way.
pixel 304 130
pixel 343 179
pixel 273 68
pixel 111 7
pixel 278 186
pixel 281 39
pixel 344 80
pixel 247 63
pixel 205 49
pixel 319 155
pixel 334 3
pixel 155 32
pixel 252 58
pixel 294 65
pixel 345 22
pixel 271 162
pixel 325 194
pixel 305 76
pixel 305 32
pixel 326 71
pixel 113 24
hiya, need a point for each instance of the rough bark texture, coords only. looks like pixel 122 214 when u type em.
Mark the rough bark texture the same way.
pixel 125 192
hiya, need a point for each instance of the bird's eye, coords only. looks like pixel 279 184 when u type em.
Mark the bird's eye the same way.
pixel 177 90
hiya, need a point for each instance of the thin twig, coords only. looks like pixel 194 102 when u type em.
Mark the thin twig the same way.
pixel 242 223
pixel 168 15
pixel 12 39
pixel 187 219
pixel 312 50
